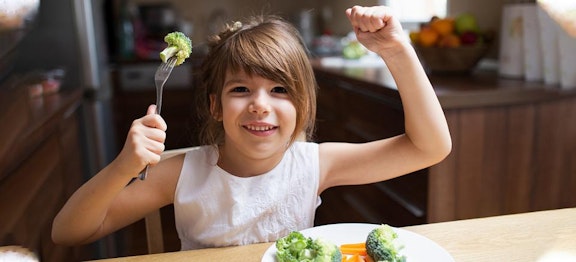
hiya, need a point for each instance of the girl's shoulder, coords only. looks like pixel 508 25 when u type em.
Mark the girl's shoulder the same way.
pixel 306 152
pixel 205 151
pixel 304 147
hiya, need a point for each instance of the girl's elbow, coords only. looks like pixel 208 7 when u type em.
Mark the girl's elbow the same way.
pixel 436 151
pixel 443 149
pixel 59 237
pixel 62 235
pixel 65 239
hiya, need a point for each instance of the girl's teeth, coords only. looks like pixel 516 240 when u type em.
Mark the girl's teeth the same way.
pixel 259 128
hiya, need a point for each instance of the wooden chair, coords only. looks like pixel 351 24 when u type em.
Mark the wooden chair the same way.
pixel 153 221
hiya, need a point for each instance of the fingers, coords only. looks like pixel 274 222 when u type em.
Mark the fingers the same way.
pixel 368 19
pixel 151 110
pixel 145 141
pixel 151 127
pixel 144 144
pixel 154 121
pixel 149 150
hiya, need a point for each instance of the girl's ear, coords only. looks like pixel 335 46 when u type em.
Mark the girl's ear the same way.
pixel 215 114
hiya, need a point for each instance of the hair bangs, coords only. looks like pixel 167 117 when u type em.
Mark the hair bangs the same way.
pixel 260 56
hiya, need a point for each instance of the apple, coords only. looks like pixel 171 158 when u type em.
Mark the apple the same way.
pixel 469 38
pixel 354 50
pixel 465 22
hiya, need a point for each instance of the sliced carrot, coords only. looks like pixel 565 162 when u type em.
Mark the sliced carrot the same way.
pixel 353 248
pixel 360 244
pixel 353 251
pixel 357 258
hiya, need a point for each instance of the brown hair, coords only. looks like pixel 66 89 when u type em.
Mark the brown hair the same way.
pixel 267 46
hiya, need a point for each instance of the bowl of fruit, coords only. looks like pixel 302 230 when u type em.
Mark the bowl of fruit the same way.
pixel 451 45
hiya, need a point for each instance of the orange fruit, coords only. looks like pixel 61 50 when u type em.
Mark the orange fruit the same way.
pixel 450 40
pixel 428 37
pixel 443 26
pixel 414 37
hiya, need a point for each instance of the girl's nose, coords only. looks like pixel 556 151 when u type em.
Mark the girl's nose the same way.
pixel 260 103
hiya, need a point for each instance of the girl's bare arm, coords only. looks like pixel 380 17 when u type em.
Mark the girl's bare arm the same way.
pixel 426 140
pixel 106 202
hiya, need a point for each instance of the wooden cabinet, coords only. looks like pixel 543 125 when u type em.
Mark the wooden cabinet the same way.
pixel 352 111
pixel 514 148
pixel 41 168
pixel 507 159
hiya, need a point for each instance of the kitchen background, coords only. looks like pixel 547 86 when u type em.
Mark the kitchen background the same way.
pixel 330 13
pixel 200 18
pixel 108 49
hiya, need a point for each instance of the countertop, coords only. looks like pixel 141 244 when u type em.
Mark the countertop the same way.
pixel 481 87
pixel 535 236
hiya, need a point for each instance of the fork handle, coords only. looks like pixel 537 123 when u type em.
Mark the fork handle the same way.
pixel 142 175
pixel 159 100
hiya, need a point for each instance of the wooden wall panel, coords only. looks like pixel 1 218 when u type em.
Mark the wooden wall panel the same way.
pixel 506 160
pixel 565 119
pixel 470 163
pixel 494 161
pixel 548 156
pixel 367 119
pixel 442 179
pixel 519 146
pixel 329 120
pixel 569 190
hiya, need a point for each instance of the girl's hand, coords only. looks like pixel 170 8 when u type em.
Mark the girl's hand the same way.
pixel 377 29
pixel 145 141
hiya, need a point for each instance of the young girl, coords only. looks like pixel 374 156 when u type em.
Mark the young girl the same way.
pixel 255 180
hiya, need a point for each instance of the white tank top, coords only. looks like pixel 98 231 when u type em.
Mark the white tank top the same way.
pixel 214 208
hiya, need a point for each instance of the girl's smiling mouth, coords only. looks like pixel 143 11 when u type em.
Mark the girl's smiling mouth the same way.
pixel 260 130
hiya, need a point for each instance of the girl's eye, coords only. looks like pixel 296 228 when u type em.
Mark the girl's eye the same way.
pixel 279 89
pixel 239 89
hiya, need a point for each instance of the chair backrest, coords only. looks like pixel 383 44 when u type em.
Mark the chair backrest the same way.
pixel 153 221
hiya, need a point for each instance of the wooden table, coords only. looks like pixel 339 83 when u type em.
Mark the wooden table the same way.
pixel 542 236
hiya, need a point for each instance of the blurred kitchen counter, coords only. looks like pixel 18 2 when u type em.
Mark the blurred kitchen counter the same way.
pixel 479 88
pixel 41 165
pixel 514 145
pixel 27 121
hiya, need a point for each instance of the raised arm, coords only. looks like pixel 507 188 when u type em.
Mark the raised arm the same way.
pixel 105 203
pixel 426 140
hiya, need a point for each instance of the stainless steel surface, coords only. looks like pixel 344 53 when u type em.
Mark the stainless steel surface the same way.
pixel 89 47
pixel 160 77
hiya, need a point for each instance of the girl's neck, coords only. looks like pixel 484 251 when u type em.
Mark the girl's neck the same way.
pixel 241 165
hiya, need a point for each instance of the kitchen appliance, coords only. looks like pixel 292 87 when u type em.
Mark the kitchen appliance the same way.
pixel 511 58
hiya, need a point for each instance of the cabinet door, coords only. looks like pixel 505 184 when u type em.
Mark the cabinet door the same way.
pixel 25 207
pixel 353 112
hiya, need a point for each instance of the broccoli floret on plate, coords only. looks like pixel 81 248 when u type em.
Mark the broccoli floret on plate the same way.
pixel 295 247
pixel 326 251
pixel 179 45
pixel 382 245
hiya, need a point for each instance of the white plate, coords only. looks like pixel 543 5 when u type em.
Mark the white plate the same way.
pixel 416 247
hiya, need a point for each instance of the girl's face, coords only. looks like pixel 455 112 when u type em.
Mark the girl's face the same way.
pixel 258 116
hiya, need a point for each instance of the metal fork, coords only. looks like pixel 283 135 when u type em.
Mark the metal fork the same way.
pixel 160 77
